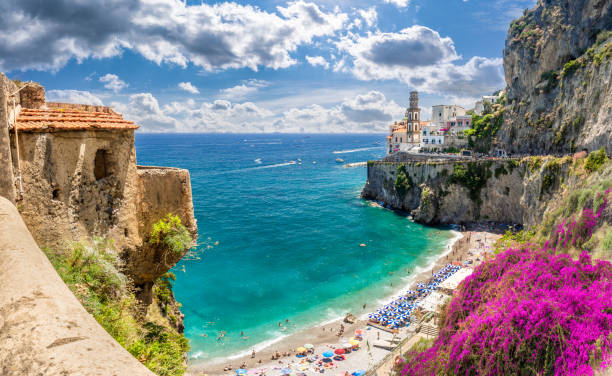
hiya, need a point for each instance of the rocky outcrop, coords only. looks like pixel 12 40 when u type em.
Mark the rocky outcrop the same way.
pixel 457 192
pixel 43 327
pixel 558 68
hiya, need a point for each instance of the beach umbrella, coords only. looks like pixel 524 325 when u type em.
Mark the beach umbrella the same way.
pixel 347 346
pixel 241 371
pixel 354 342
pixel 327 360
pixel 309 346
pixel 328 354
pixel 300 350
pixel 358 332
pixel 359 373
pixel 286 371
pixel 338 358
pixel 339 351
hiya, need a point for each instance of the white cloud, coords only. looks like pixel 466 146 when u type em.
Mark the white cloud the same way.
pixel 188 87
pixel 144 110
pixel 317 61
pixel 399 3
pixel 421 58
pixel 242 91
pixel 112 82
pixel 46 35
pixel 370 16
pixel 73 96
pixel 369 112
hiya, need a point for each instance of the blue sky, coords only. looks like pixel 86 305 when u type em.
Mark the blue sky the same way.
pixel 258 66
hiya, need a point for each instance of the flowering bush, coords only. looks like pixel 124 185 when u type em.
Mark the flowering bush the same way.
pixel 528 311
pixel 577 231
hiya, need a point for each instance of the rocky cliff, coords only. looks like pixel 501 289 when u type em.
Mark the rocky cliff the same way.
pixel 458 192
pixel 558 68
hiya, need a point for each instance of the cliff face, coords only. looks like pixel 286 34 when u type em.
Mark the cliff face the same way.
pixel 557 63
pixel 448 192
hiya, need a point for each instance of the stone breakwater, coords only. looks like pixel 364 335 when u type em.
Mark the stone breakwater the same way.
pixel 459 192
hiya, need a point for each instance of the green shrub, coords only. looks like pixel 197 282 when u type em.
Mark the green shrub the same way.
pixel 403 182
pixel 472 176
pixel 570 67
pixel 500 171
pixel 552 80
pixel 163 290
pixel 484 128
pixel 595 160
pixel 171 234
pixel 92 272
pixel 550 172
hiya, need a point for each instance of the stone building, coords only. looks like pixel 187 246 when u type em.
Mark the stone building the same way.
pixel 72 171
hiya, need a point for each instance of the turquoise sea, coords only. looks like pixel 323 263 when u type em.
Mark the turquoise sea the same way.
pixel 289 232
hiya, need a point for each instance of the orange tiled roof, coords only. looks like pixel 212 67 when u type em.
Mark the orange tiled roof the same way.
pixel 61 119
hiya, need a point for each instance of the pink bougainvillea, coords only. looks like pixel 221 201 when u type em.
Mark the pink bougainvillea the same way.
pixel 528 311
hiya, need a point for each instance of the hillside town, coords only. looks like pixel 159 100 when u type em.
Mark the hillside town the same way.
pixel 444 132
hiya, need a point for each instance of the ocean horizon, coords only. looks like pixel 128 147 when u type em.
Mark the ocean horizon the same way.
pixel 284 235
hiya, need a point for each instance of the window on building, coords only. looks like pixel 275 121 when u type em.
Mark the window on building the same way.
pixel 400 139
pixel 101 169
pixel 410 116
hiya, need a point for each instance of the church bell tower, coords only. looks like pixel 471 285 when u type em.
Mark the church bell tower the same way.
pixel 413 118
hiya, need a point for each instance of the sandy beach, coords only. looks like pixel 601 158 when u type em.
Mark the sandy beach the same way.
pixel 470 250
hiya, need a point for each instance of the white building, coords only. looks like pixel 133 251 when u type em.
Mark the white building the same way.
pixel 432 138
pixel 480 105
pixel 442 114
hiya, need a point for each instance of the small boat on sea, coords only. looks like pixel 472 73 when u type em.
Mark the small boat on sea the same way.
pixel 339 160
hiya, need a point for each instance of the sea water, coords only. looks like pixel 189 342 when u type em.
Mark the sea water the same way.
pixel 283 235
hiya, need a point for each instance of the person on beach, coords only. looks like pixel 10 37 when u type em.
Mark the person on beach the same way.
pixel 364 305
pixel 253 354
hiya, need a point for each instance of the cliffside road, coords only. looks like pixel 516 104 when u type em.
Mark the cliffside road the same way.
pixel 44 330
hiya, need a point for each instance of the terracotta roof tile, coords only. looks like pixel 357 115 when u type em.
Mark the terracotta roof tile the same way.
pixel 60 119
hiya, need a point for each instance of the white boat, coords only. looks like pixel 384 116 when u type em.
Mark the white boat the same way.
pixel 339 160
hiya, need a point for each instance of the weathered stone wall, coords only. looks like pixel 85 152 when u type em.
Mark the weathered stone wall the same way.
pixel 44 330
pixel 165 190
pixel 512 191
pixel 63 201
pixel 66 199
pixel 7 185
